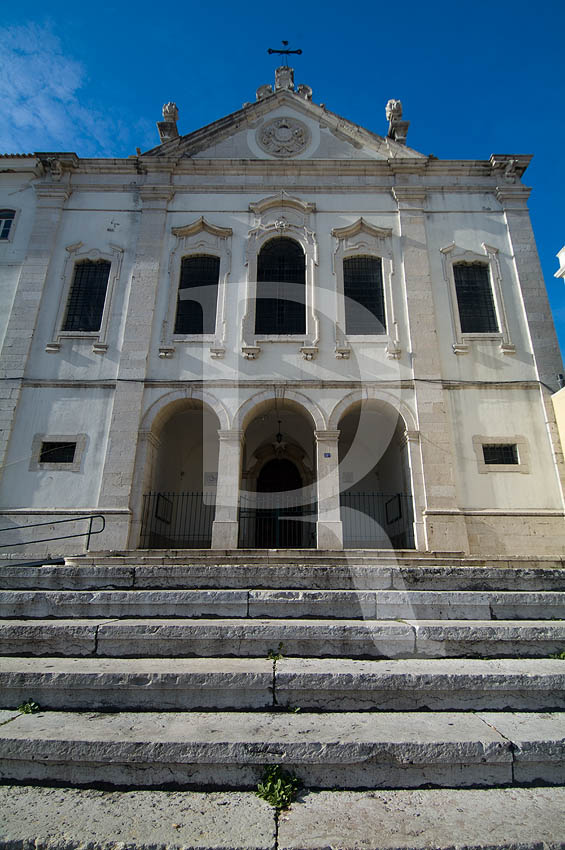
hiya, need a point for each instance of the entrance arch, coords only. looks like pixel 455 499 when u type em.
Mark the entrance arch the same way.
pixel 375 477
pixel 180 460
pixel 277 503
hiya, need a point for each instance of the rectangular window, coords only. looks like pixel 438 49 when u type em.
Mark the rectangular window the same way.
pixel 6 221
pixel 500 453
pixel 364 296
pixel 87 296
pixel 198 295
pixel 477 313
pixel 52 452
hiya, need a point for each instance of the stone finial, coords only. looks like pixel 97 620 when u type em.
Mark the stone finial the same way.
pixel 397 128
pixel 170 112
pixel 304 91
pixel 264 91
pixel 168 126
pixel 284 78
pixel 394 110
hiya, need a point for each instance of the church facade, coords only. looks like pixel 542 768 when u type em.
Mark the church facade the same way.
pixel 278 331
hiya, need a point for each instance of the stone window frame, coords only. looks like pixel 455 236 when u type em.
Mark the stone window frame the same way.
pixel 281 215
pixel 199 238
pixel 521 443
pixel 362 239
pixel 35 464
pixel 451 256
pixel 76 254
pixel 13 226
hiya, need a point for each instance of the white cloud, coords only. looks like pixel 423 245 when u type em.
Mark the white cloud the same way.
pixel 41 104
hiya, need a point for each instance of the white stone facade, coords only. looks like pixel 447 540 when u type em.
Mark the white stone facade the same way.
pixel 154 410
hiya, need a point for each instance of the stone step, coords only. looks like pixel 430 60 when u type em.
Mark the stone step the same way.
pixel 321 684
pixel 175 638
pixel 441 818
pixel 351 575
pixel 231 749
pixel 329 604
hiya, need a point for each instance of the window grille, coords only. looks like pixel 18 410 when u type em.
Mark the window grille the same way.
pixel 52 452
pixel 88 294
pixel 198 295
pixel 500 453
pixel 477 313
pixel 281 273
pixel 6 220
pixel 364 296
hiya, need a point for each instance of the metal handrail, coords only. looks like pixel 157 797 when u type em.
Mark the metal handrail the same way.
pixel 88 534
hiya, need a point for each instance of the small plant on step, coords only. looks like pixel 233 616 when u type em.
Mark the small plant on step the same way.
pixel 275 655
pixel 29 707
pixel 278 787
pixel 559 655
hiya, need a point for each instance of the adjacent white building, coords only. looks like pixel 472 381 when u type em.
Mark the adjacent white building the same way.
pixel 278 331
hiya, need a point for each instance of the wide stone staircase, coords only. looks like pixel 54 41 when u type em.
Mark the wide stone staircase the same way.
pixel 357 670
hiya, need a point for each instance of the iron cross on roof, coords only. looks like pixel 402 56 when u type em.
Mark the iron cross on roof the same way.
pixel 285 52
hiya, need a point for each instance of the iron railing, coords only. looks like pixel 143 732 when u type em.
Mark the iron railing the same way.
pixel 88 534
pixel 377 520
pixel 177 520
pixel 275 521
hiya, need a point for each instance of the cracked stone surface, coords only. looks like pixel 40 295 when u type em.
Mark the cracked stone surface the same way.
pixel 490 819
pixel 57 818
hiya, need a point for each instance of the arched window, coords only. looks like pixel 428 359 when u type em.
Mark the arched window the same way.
pixel 281 279
pixel 364 295
pixel 198 295
pixel 6 222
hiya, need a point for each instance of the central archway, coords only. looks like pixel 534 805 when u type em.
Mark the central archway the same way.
pixel 277 502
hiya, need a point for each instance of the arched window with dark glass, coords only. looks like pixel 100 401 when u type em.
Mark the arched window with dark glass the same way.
pixel 477 311
pixel 364 296
pixel 281 287
pixel 198 295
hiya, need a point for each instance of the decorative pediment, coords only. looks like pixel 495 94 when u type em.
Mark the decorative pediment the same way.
pixel 282 200
pixel 361 226
pixel 264 116
pixel 202 225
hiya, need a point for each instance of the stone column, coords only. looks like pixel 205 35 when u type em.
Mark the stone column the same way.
pixel 225 526
pixel 329 527
pixel 445 531
pixel 24 315
pixel 119 465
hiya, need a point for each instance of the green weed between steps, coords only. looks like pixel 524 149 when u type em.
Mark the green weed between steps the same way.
pixel 275 655
pixel 278 787
pixel 29 707
pixel 560 655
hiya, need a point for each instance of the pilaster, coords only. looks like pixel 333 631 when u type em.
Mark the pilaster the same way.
pixel 530 279
pixel 24 315
pixel 436 438
pixel 225 526
pixel 118 473
pixel 329 525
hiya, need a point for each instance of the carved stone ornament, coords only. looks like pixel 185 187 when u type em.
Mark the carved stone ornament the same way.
pixel 170 112
pixel 283 137
pixel 393 110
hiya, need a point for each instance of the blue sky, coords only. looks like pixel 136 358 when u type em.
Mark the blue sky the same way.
pixel 474 79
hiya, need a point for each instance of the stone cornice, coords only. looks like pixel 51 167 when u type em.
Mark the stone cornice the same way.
pixel 358 167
